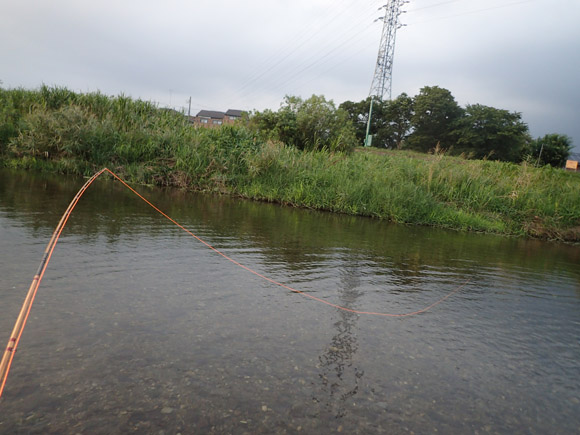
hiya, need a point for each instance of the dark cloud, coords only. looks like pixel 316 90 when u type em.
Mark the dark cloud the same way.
pixel 516 55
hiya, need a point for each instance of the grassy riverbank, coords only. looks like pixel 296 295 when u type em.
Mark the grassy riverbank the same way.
pixel 54 129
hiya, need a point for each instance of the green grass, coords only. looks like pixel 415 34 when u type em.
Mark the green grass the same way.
pixel 424 189
pixel 53 129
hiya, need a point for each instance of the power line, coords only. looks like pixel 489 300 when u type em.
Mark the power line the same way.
pixel 350 41
pixel 316 58
pixel 292 47
pixel 290 74
pixel 280 72
pixel 436 5
pixel 470 12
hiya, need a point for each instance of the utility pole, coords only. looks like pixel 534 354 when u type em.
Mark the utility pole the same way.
pixel 383 77
pixel 540 156
pixel 369 138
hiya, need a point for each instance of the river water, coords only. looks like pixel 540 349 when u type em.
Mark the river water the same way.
pixel 139 327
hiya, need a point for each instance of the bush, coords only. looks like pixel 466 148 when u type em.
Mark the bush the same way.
pixel 552 149
pixel 66 132
pixel 312 124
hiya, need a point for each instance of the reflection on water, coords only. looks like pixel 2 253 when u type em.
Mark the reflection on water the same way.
pixel 339 374
pixel 137 327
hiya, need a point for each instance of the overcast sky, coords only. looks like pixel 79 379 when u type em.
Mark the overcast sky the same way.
pixel 519 55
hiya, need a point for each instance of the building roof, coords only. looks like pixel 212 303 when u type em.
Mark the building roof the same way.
pixel 211 114
pixel 236 113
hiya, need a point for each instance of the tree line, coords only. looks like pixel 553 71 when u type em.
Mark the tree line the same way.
pixel 430 120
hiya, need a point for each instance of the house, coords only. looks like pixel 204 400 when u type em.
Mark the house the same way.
pixel 572 162
pixel 571 165
pixel 233 115
pixel 211 118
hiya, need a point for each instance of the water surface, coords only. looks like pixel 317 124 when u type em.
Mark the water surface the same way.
pixel 138 327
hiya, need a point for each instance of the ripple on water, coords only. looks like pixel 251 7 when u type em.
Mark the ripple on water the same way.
pixel 139 328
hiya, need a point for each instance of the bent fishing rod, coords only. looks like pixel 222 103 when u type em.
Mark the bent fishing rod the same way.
pixel 18 329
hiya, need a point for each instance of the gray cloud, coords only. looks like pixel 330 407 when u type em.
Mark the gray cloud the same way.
pixel 515 55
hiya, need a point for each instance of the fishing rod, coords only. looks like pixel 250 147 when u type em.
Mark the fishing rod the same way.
pixel 14 340
pixel 8 355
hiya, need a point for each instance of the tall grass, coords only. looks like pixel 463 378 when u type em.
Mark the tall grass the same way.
pixel 424 189
pixel 59 130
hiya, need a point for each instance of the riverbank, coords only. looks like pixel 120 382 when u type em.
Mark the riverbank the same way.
pixel 60 131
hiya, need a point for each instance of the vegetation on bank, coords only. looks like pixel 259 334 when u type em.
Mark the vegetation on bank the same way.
pixel 55 129
pixel 433 117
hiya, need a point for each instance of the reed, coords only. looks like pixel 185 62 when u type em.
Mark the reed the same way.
pixel 54 129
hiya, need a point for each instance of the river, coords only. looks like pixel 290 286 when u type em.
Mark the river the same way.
pixel 139 327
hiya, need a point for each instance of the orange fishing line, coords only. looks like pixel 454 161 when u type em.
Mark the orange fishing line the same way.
pixel 276 282
pixel 8 356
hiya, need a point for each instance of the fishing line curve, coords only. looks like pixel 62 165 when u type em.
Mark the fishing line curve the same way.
pixel 413 313
pixel 14 340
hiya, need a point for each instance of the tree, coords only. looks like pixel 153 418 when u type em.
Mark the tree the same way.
pixel 398 114
pixel 309 124
pixel 390 120
pixel 552 149
pixel 358 114
pixel 486 131
pixel 434 119
pixel 279 125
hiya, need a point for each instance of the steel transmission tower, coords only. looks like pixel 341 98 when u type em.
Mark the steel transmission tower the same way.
pixel 381 85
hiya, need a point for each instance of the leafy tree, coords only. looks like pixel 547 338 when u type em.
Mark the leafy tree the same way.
pixel 552 149
pixel 279 125
pixel 390 120
pixel 434 119
pixel 358 114
pixel 309 124
pixel 486 131
pixel 398 114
